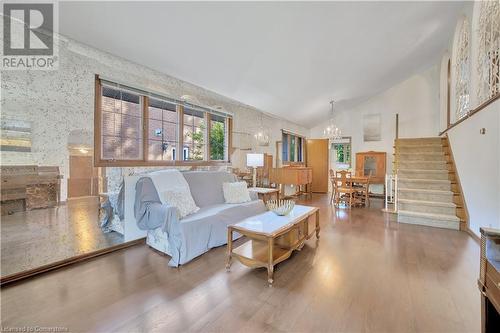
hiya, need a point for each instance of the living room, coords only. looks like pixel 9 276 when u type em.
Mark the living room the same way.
pixel 223 166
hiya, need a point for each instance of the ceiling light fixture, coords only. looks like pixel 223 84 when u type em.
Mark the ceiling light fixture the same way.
pixel 262 134
pixel 331 131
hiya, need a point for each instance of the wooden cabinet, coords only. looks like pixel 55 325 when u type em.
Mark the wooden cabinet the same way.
pixel 489 280
pixel 27 187
pixel 298 176
pixel 372 163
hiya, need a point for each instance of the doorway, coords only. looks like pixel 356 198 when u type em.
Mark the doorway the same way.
pixel 83 178
pixel 341 154
pixel 317 159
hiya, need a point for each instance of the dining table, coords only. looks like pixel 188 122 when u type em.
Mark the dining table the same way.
pixel 357 182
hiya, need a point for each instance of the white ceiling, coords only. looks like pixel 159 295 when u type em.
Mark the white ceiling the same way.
pixel 288 59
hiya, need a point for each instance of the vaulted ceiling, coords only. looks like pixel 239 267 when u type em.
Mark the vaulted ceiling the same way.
pixel 288 59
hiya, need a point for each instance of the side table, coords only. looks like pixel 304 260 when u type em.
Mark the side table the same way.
pixel 265 194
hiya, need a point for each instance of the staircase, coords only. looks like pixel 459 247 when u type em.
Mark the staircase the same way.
pixel 428 192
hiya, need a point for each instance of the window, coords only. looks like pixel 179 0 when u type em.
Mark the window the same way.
pixel 194 134
pixel 462 86
pixel 299 148
pixel 489 50
pixel 285 147
pixel 121 125
pixel 137 128
pixel 218 138
pixel 293 147
pixel 162 133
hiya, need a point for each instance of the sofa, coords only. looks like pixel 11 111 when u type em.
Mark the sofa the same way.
pixel 195 234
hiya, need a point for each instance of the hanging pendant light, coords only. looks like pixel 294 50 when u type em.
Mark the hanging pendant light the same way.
pixel 331 131
pixel 262 134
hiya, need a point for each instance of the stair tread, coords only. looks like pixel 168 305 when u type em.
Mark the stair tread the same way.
pixel 418 143
pixel 422 138
pixel 420 161
pixel 425 190
pixel 432 153
pixel 428 203
pixel 425 170
pixel 429 215
pixel 423 180
pixel 422 145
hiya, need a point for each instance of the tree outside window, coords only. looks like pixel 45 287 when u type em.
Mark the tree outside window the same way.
pixel 217 138
pixel 194 134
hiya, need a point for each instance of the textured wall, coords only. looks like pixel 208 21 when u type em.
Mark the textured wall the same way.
pixel 62 101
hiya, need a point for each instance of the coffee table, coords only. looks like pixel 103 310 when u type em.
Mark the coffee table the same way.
pixel 272 238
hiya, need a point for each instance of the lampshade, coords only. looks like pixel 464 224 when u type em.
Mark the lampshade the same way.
pixel 255 160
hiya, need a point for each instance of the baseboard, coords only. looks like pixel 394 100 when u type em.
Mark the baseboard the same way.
pixel 473 235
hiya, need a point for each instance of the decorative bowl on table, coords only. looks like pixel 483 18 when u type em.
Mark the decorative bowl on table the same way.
pixel 280 207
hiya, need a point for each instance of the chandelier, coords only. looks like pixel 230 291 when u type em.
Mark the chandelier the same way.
pixel 331 131
pixel 262 134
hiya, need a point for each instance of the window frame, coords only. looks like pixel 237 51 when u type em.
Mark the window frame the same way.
pixel 287 146
pixel 99 161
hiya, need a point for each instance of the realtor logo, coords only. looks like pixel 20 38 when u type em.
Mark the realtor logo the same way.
pixel 28 36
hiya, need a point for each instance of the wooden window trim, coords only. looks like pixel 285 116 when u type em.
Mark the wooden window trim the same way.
pixel 145 162
pixel 97 122
pixel 179 154
pixel 206 136
pixel 230 149
pixel 145 128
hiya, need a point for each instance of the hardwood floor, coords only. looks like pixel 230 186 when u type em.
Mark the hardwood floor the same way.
pixel 365 274
pixel 43 236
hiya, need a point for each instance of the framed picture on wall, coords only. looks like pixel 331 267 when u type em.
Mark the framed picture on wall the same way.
pixel 371 127
pixel 16 135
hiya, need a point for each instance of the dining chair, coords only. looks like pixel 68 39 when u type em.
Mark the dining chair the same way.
pixel 344 190
pixel 332 181
pixel 361 185
pixel 343 173
pixel 367 190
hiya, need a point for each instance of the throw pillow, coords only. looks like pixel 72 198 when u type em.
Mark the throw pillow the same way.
pixel 236 192
pixel 182 200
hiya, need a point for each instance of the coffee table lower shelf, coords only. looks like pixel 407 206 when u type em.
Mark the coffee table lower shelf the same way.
pixel 267 249
pixel 256 254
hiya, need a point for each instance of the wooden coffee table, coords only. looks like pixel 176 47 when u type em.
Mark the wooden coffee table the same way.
pixel 273 238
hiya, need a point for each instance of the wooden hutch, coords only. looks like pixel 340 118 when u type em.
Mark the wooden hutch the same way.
pixel 372 163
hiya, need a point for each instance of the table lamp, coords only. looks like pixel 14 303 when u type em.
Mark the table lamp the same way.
pixel 254 161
